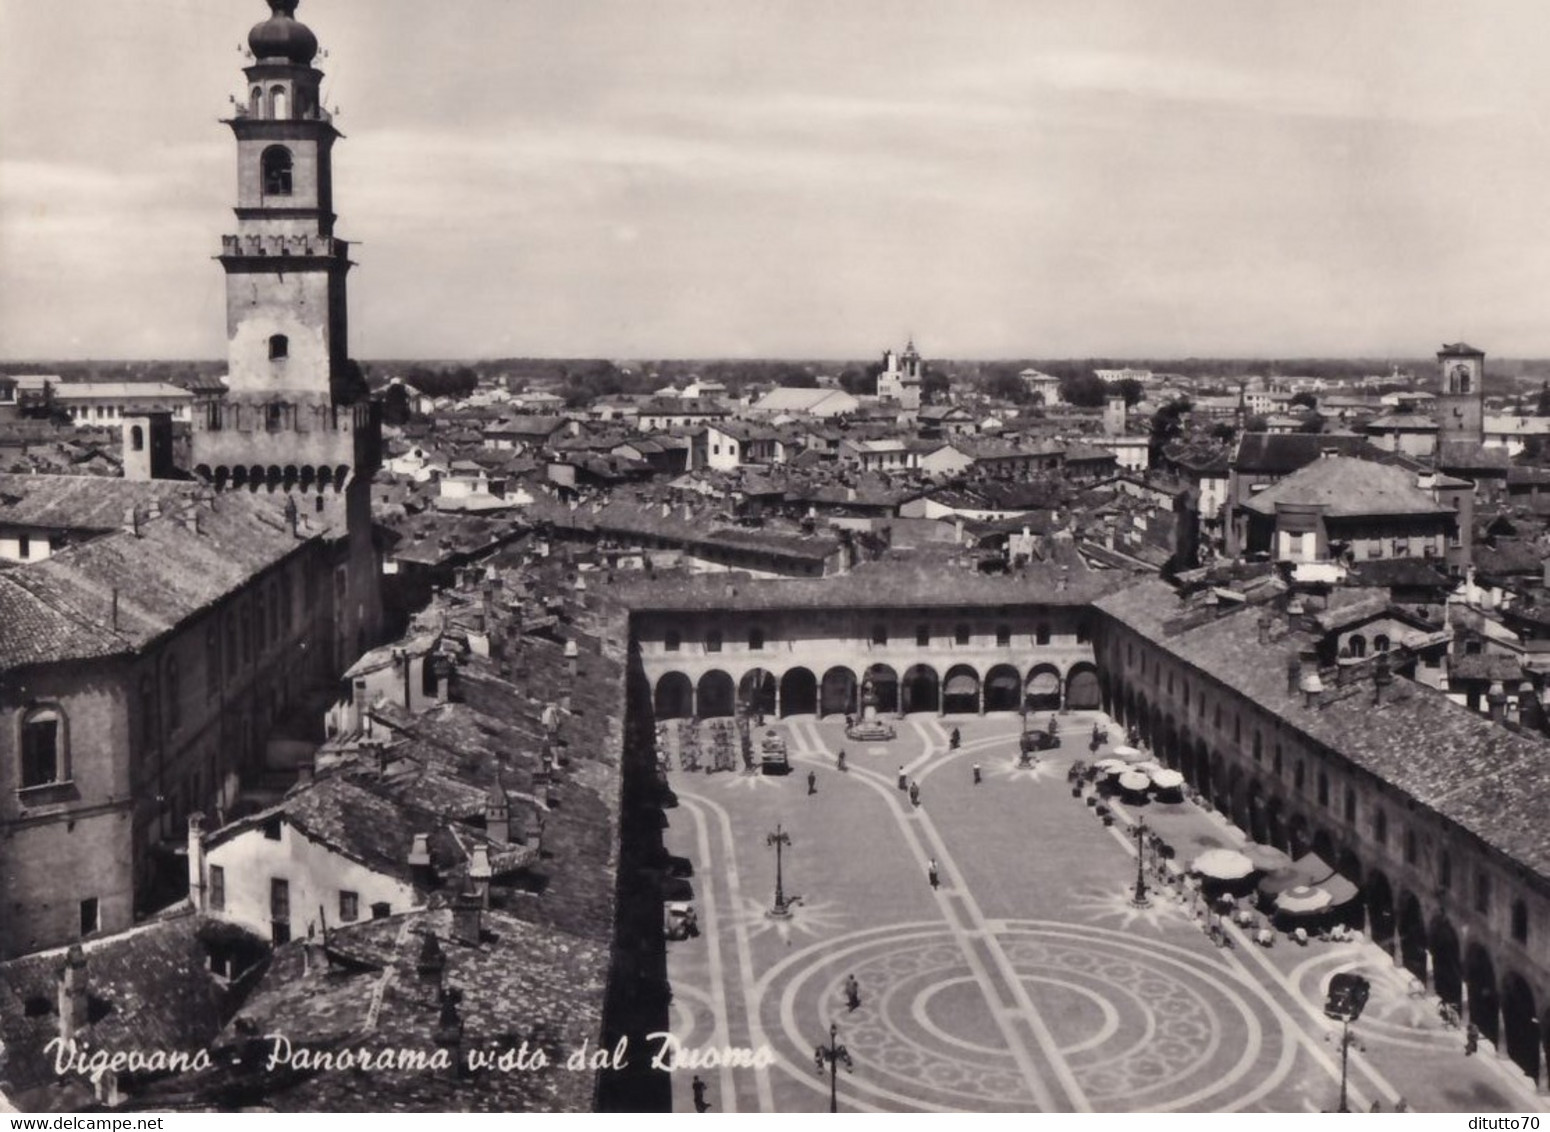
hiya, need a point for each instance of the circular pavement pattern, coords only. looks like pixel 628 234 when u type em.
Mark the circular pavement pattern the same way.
pixel 1140 1024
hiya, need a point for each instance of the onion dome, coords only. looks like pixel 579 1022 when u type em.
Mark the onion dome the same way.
pixel 282 37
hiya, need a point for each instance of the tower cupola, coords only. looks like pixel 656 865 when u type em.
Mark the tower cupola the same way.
pixel 282 36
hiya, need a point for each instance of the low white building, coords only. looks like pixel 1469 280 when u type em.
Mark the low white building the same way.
pixel 102 404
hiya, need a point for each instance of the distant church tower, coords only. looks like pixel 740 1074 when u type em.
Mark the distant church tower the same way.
pixel 296 417
pixel 902 377
pixel 1461 395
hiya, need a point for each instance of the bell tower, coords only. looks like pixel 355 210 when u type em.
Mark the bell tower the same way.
pixel 293 415
pixel 1461 394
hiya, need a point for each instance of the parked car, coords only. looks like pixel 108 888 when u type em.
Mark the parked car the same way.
pixel 1348 993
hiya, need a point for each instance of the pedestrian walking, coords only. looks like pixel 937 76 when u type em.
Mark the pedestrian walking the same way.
pixel 839 762
pixel 1471 1040
pixel 954 739
pixel 852 993
pixel 977 774
pixel 914 793
pixel 932 874
pixel 812 782
pixel 904 782
pixel 700 1103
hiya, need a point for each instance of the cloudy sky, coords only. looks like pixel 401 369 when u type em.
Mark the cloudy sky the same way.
pixel 807 177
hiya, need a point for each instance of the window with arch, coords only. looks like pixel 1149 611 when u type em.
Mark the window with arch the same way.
pixel 136 438
pixel 1519 921
pixel 1299 776
pixel 1259 747
pixel 1444 870
pixel 960 635
pixel 274 611
pixel 174 691
pixel 147 711
pixel 43 747
pixel 923 635
pixel 1186 695
pixel 279 347
pixel 713 641
pixel 1410 847
pixel 1357 644
pixel 1380 827
pixel 1041 633
pixel 256 101
pixel 279 102
pixel 1380 643
pixel 755 638
pixel 1237 733
pixel 672 641
pixel 276 168
pixel 1276 758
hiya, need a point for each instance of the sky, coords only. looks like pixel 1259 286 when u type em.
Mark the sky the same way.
pixel 807 178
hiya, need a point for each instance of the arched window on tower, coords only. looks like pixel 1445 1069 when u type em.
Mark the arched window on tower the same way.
pixel 279 103
pixel 137 439
pixel 256 102
pixel 277 171
pixel 279 347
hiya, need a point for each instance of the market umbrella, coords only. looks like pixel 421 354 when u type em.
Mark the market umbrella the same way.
pixel 1223 864
pixel 1110 766
pixel 1167 780
pixel 1304 900
pixel 1150 768
pixel 1128 753
pixel 1134 781
pixel 1267 858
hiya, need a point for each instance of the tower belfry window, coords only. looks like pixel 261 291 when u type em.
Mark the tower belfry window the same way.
pixel 277 171
pixel 279 346
pixel 279 102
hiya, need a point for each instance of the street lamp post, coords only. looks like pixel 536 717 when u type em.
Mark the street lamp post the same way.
pixel 1346 1042
pixel 779 839
pixel 832 1055
pixel 1141 900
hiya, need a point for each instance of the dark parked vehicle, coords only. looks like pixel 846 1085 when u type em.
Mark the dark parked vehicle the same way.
pixel 1347 996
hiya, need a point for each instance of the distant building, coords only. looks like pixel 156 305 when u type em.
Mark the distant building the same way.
pixel 822 403
pixel 902 378
pixel 1047 386
pixel 1111 376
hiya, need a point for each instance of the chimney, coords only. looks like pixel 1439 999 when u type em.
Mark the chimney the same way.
pixel 1312 687
pixel 420 860
pixel 73 1004
pixel 449 1029
pixel 132 521
pixel 479 872
pixel 1496 701
pixel 1382 677
pixel 443 679
pixel 497 814
pixel 196 861
pixel 467 917
pixel 191 520
pixel 432 963
pixel 357 705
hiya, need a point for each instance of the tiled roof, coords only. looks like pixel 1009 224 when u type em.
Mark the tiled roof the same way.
pixel 1347 487
pixel 148 988
pixel 1466 455
pixel 63 608
pixel 1280 454
pixel 83 503
pixel 915 580
pixel 1491 782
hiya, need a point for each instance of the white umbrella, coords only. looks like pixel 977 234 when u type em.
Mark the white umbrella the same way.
pixel 1134 781
pixel 1127 753
pixel 1302 900
pixel 1110 766
pixel 1223 864
pixel 1167 780
pixel 1150 767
